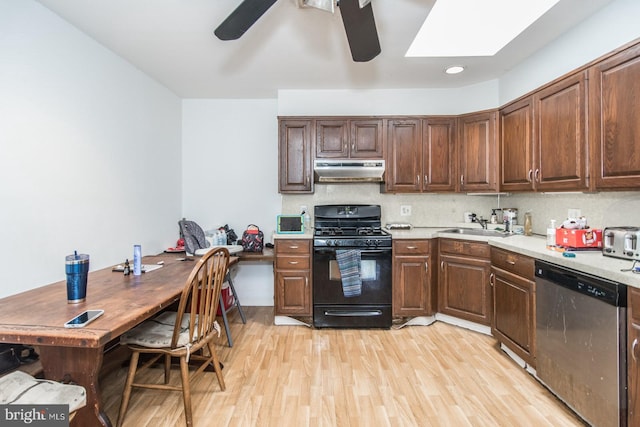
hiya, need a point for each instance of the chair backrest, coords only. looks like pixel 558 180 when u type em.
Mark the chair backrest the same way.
pixel 201 296
pixel 193 236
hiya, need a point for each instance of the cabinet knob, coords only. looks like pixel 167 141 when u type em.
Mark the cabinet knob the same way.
pixel 492 278
pixel 530 178
pixel 461 180
pixel 633 349
pixel 418 178
pixel 442 265
pixel 412 247
pixel 426 179
pixel 294 247
pixel 426 267
pixel 293 262
pixel 537 175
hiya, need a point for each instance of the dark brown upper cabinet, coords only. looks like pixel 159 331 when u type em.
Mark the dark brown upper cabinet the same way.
pixel 614 120
pixel 421 155
pixel 560 133
pixel 516 146
pixel 349 138
pixel 477 152
pixel 295 166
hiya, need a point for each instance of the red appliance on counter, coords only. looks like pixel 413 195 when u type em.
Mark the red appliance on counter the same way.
pixel 579 238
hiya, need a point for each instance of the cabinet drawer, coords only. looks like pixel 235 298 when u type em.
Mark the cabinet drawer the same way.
pixel 520 265
pixel 293 246
pixel 411 247
pixel 465 247
pixel 287 262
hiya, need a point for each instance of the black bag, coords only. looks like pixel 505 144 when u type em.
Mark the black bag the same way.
pixel 252 239
pixel 14 355
pixel 232 237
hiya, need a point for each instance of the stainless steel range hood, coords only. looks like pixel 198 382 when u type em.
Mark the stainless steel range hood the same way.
pixel 351 170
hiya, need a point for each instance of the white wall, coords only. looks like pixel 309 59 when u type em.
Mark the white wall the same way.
pixel 230 176
pixel 388 102
pixel 90 151
pixel 613 26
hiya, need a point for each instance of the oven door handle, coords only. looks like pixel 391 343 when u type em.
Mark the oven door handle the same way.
pixel 352 313
pixel 362 251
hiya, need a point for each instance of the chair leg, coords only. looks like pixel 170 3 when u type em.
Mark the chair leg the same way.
pixel 167 368
pixel 126 395
pixel 186 390
pixel 235 298
pixel 216 366
pixel 225 320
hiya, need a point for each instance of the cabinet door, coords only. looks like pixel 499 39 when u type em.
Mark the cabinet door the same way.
pixel 411 286
pixel 614 120
pixel 516 146
pixel 293 293
pixel 633 356
pixel 295 163
pixel 464 290
pixel 477 152
pixel 561 135
pixel 438 154
pixel 404 169
pixel 513 313
pixel 332 139
pixel 366 140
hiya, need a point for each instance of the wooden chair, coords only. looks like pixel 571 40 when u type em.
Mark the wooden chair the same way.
pixel 20 388
pixel 183 334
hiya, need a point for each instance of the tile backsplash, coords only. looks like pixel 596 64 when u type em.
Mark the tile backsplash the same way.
pixel 435 210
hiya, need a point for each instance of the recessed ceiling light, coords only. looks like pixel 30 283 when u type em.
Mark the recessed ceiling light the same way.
pixel 454 69
pixel 474 28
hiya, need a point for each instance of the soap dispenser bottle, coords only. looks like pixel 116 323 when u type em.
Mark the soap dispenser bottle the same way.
pixel 551 233
pixel 494 217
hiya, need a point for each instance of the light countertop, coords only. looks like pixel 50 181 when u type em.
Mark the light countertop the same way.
pixel 590 262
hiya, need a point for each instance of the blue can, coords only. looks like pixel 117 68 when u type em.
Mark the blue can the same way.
pixel 77 269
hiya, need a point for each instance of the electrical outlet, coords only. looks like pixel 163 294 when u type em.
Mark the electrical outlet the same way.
pixel 405 210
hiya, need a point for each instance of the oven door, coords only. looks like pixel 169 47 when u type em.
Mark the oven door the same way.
pixel 372 308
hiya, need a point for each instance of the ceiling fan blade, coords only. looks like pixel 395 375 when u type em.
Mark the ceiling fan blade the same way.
pixel 360 27
pixel 241 19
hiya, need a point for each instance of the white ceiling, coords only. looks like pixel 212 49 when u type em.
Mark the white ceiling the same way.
pixel 289 47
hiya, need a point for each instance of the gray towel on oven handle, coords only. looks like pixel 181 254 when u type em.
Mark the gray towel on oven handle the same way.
pixel 349 265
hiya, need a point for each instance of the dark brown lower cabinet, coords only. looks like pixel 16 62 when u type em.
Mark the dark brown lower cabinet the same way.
pixel 513 282
pixel 633 356
pixel 464 290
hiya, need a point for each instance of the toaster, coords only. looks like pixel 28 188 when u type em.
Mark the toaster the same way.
pixel 621 242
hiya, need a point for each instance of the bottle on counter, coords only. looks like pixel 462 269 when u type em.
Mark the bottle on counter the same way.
pixel 551 233
pixel 127 267
pixel 494 217
pixel 137 260
pixel 528 231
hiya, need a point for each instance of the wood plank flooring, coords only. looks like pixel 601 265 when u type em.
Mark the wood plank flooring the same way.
pixel 438 375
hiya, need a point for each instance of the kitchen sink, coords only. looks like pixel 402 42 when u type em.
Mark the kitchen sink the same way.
pixel 476 232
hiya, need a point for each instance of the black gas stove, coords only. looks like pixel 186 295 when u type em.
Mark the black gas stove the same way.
pixel 351 232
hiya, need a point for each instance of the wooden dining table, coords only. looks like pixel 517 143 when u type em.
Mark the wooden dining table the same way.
pixel 37 316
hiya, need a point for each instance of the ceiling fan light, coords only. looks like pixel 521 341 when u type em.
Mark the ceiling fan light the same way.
pixel 454 69
pixel 327 5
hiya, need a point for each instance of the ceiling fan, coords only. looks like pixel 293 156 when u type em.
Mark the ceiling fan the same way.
pixel 357 17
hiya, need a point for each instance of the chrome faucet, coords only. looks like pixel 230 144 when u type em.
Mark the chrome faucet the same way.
pixel 481 221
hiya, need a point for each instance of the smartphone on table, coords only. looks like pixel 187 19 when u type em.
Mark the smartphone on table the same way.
pixel 83 319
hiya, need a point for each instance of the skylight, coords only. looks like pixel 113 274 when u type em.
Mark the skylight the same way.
pixel 474 27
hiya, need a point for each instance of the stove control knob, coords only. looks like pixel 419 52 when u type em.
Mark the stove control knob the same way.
pixel 332 243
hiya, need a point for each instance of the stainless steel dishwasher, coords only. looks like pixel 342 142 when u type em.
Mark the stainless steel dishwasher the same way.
pixel 581 342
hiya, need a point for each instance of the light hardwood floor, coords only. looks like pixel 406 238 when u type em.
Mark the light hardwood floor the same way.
pixel 438 375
